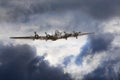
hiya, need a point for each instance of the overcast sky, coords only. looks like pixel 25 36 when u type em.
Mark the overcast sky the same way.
pixel 93 57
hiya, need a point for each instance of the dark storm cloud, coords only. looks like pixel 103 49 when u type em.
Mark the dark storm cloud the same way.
pixel 99 9
pixel 103 73
pixel 101 42
pixel 43 71
pixel 95 44
pixel 14 53
pixel 21 11
pixel 13 60
pixel 102 9
pixel 20 63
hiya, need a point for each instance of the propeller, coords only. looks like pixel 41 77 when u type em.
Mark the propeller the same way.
pixel 35 33
pixel 75 34
pixel 65 35
pixel 46 34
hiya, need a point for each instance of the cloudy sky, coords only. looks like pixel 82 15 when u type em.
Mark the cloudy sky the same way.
pixel 93 57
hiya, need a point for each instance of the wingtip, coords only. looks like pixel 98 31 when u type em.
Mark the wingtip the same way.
pixel 10 37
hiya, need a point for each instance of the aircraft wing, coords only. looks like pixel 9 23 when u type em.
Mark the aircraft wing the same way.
pixel 22 37
pixel 36 38
pixel 29 37
pixel 76 35
pixel 53 38
pixel 87 33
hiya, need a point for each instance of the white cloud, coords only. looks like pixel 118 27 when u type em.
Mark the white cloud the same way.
pixel 113 26
pixel 89 64
pixel 57 50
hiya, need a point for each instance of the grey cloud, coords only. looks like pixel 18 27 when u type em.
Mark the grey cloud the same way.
pixel 101 42
pixel 21 63
pixel 13 53
pixel 13 60
pixel 103 73
pixel 109 70
pixel 67 60
pixel 44 72
pixel 102 9
pixel 20 11
pixel 96 43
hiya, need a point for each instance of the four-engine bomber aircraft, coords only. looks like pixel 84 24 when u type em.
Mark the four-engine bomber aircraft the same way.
pixel 56 36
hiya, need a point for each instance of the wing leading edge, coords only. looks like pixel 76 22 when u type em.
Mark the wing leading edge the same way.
pixel 54 37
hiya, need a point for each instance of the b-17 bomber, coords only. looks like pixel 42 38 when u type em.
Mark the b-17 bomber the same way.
pixel 57 35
